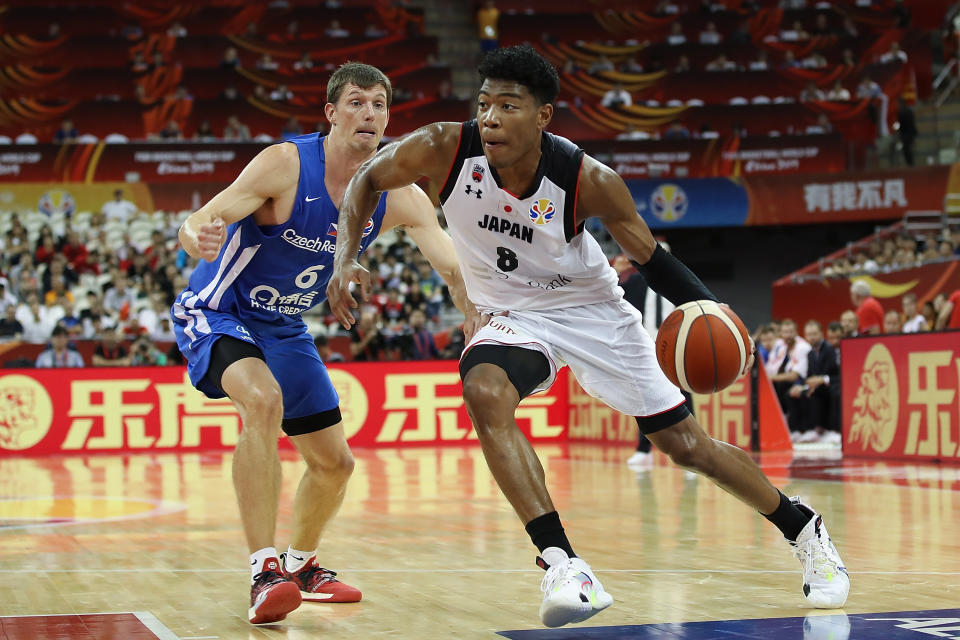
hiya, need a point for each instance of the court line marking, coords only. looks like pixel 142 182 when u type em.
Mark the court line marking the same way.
pixel 146 618
pixel 653 571
pixel 151 622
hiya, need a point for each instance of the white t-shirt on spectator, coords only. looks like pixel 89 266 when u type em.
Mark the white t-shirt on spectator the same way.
pixel 915 324
pixel 38 330
pixel 122 211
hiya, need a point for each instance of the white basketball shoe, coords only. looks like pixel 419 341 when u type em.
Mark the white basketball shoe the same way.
pixel 571 593
pixel 825 580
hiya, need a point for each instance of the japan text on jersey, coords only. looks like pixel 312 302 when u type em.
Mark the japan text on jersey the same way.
pixel 523 251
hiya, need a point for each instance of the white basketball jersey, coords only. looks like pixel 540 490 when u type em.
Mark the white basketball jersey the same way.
pixel 528 251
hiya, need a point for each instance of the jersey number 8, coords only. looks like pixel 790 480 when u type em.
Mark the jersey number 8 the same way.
pixel 507 259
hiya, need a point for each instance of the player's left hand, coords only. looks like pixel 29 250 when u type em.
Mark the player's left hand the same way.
pixel 473 322
pixel 338 291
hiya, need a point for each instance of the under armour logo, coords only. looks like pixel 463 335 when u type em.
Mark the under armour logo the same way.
pixel 469 190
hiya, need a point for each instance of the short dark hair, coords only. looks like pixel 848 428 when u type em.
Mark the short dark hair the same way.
pixel 835 326
pixel 523 65
pixel 362 75
pixel 814 323
pixel 59 330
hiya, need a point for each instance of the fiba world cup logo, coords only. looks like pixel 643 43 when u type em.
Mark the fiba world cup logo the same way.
pixel 669 202
pixel 542 211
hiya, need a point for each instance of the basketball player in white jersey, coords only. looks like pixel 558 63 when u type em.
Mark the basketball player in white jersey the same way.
pixel 516 199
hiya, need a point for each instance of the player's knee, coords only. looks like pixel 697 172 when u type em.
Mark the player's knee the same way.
pixel 692 454
pixel 485 397
pixel 263 404
pixel 337 467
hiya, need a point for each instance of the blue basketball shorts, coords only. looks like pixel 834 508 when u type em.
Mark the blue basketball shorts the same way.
pixel 308 394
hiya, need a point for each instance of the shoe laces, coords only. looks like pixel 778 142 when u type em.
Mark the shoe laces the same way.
pixel 268 577
pixel 816 556
pixel 315 575
pixel 554 574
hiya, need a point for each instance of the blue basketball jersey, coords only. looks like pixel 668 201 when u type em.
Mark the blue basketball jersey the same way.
pixel 272 274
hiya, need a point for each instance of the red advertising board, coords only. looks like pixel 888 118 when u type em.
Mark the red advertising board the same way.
pixel 825 299
pixel 825 198
pixel 99 162
pixel 114 410
pixel 157 409
pixel 901 397
pixel 703 158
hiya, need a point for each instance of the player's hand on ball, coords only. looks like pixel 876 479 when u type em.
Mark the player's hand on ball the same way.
pixel 338 291
pixel 210 237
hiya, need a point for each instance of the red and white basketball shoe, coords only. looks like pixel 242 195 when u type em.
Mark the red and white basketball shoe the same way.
pixel 320 585
pixel 272 595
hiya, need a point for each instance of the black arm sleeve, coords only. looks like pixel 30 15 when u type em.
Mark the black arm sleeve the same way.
pixel 672 279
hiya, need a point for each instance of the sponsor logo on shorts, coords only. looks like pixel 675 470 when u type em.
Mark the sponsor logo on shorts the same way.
pixel 500 326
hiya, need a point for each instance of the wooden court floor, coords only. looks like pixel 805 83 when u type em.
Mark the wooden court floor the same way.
pixel 438 553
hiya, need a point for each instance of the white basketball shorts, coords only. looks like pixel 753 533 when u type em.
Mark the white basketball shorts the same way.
pixel 604 344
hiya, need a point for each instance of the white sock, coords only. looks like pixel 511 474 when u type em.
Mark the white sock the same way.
pixel 257 558
pixel 295 559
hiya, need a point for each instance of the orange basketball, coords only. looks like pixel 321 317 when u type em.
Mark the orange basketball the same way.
pixel 702 346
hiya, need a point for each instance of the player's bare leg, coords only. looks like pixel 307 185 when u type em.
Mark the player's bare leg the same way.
pixel 256 462
pixel 256 479
pixel 323 485
pixel 492 401
pixel 825 580
pixel 319 496
pixel 730 467
pixel 571 592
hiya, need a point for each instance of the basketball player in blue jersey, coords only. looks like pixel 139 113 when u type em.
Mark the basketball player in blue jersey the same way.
pixel 267 244
pixel 516 198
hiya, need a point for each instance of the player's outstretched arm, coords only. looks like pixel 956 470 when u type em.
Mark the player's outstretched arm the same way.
pixel 427 152
pixel 271 172
pixel 411 208
pixel 604 195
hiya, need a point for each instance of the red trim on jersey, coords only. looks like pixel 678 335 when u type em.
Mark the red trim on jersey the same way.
pixel 660 413
pixel 456 153
pixel 576 193
pixel 512 193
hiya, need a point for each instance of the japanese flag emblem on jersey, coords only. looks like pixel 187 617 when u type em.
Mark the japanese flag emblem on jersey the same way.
pixel 542 211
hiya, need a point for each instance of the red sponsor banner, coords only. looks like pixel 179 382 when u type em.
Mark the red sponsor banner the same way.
pixel 825 299
pixel 124 410
pixel 139 162
pixel 901 397
pixel 845 197
pixel 157 409
pixel 706 158
pixel 724 416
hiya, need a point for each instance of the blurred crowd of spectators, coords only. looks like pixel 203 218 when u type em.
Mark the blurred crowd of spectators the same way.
pixel 92 282
pixel 902 251
pixel 804 363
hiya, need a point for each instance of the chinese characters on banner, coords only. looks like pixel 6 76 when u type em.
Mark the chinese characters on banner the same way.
pixel 901 396
pixel 396 404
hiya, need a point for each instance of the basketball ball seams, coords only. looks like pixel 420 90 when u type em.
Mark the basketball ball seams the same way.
pixel 713 345
pixel 682 344
pixel 681 347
